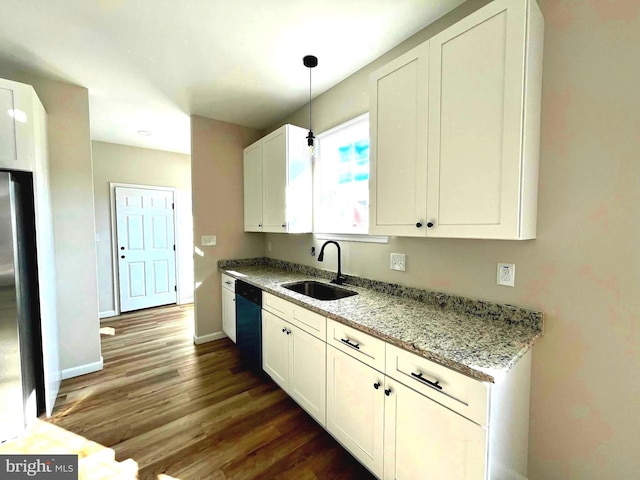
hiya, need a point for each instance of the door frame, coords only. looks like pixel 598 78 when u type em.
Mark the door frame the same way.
pixel 114 237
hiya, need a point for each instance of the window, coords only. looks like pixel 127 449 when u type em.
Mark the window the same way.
pixel 341 178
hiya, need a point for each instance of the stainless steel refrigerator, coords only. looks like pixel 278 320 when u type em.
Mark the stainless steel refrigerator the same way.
pixel 21 372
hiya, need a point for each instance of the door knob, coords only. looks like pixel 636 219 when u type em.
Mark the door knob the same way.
pixel 387 392
pixel 121 256
pixel 121 248
pixel 429 224
pixel 376 385
pixel 418 225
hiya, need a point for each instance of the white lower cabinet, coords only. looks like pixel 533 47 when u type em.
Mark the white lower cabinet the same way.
pixel 229 306
pixel 396 432
pixel 424 440
pixel 402 416
pixel 355 408
pixel 307 383
pixel 295 360
pixel 275 349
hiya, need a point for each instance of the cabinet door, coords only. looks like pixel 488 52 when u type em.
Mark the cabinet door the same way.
pixel 355 408
pixel 275 348
pixel 424 440
pixel 8 150
pixel 229 313
pixel 308 367
pixel 274 171
pixel 18 123
pixel 253 187
pixel 476 87
pixel 398 156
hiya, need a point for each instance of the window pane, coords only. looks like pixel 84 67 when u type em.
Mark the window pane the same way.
pixel 342 178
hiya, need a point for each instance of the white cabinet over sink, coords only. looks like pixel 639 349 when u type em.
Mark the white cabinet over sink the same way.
pixel 455 130
pixel 277 183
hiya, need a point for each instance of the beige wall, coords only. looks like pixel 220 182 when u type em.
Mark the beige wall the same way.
pixel 141 166
pixel 216 169
pixel 583 269
pixel 72 197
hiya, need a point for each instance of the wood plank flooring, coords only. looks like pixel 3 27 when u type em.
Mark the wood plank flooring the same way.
pixel 189 411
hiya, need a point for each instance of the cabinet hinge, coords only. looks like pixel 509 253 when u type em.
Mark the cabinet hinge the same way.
pixel 175 288
pixel 173 206
pixel 174 248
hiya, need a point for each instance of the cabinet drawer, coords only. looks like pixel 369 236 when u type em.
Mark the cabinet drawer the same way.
pixel 277 306
pixel 310 322
pixel 364 347
pixel 462 394
pixel 228 282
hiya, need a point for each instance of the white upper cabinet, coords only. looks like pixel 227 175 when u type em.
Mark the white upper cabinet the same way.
pixel 253 187
pixel 17 117
pixel 485 82
pixel 478 150
pixel 277 183
pixel 398 136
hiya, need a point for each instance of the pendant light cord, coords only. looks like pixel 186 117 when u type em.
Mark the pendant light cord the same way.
pixel 310 98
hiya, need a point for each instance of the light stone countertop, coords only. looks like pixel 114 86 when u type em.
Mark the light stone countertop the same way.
pixel 475 344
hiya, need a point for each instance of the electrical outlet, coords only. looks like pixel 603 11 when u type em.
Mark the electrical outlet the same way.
pixel 209 240
pixel 398 262
pixel 507 274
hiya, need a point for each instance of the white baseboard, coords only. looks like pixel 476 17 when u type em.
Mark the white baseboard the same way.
pixel 208 338
pixel 82 369
pixel 185 300
pixel 107 314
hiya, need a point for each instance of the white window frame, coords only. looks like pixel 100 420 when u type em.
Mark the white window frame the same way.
pixel 349 237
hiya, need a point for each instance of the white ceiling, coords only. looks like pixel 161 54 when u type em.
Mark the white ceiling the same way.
pixel 149 64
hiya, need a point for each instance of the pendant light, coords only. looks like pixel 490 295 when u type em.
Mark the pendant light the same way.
pixel 310 62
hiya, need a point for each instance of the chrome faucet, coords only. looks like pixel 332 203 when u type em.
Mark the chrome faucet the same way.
pixel 339 280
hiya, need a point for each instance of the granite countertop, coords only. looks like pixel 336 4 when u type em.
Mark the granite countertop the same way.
pixel 479 339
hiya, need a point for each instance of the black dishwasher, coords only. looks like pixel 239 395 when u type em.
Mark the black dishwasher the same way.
pixel 249 324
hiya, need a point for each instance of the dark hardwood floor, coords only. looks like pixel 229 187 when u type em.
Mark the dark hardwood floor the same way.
pixel 189 411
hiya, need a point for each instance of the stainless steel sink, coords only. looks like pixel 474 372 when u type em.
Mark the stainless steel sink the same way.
pixel 319 291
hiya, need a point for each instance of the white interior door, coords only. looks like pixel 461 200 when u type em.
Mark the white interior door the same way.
pixel 146 247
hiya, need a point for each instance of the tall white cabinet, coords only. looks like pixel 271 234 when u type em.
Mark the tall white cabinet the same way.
pixel 455 144
pixel 24 147
pixel 277 183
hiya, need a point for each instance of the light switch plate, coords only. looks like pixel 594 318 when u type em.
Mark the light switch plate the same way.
pixel 209 240
pixel 507 274
pixel 398 262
